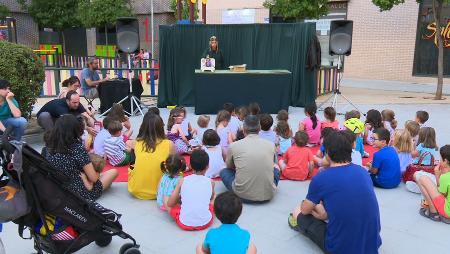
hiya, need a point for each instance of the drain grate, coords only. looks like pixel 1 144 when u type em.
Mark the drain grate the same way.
pixel 406 97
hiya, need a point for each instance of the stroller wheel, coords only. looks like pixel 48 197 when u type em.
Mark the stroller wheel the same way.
pixel 133 250
pixel 104 241
pixel 125 247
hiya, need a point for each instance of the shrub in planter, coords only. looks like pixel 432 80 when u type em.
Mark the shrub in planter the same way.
pixel 24 70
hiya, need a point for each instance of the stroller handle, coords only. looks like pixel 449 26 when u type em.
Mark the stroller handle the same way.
pixel 4 141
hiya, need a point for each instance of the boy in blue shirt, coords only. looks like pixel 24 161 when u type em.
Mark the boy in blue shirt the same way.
pixel 228 238
pixel 385 167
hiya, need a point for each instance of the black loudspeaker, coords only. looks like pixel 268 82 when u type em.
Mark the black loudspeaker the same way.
pixel 127 34
pixel 341 32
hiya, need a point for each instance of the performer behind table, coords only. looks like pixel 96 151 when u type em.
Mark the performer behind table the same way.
pixel 213 51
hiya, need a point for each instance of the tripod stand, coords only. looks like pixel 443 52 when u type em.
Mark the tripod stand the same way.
pixel 134 101
pixel 337 93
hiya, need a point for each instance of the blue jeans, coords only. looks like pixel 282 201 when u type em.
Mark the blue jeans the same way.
pixel 378 184
pixel 18 124
pixel 228 175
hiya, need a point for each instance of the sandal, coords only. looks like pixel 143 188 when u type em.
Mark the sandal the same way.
pixel 427 214
pixel 292 222
pixel 445 220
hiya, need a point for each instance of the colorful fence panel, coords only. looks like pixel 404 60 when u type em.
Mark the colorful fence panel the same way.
pixel 327 78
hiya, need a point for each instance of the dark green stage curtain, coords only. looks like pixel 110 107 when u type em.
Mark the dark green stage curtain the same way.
pixel 260 46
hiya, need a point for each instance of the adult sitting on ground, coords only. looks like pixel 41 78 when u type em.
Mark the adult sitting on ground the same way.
pixel 90 79
pixel 65 152
pixel 54 109
pixel 151 149
pixel 343 195
pixel 10 114
pixel 251 172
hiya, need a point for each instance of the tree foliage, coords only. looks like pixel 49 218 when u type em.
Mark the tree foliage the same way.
pixel 98 13
pixel 24 70
pixel 299 9
pixel 185 12
pixel 4 11
pixel 57 14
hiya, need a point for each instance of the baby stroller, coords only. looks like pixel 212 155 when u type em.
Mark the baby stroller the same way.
pixel 59 221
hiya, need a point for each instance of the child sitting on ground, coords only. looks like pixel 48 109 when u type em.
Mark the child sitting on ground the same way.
pixel 118 114
pixel 211 141
pixel 282 115
pixel 413 128
pixel 311 125
pixel 427 144
pixel 385 168
pixel 242 112
pixel 185 124
pixel 234 123
pixel 117 152
pixel 229 237
pixel 171 168
pixel 254 109
pixel 330 119
pixel 357 127
pixel 298 162
pixel 196 195
pixel 226 137
pixel 102 135
pixel 202 122
pixel 373 122
pixel 389 122
pixel 98 162
pixel 422 118
pixel 320 159
pixel 284 135
pixel 175 133
pixel 437 196
pixel 266 133
pixel 404 146
pixel 356 156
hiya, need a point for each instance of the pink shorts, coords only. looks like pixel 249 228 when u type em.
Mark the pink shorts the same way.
pixel 439 204
pixel 175 214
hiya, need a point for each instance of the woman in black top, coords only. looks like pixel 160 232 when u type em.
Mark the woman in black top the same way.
pixel 65 152
pixel 213 51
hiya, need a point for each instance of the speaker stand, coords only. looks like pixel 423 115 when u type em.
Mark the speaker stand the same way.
pixel 337 93
pixel 134 101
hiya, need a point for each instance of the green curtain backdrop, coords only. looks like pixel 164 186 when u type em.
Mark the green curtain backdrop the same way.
pixel 260 46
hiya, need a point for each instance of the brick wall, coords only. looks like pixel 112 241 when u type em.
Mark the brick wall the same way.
pixel 383 42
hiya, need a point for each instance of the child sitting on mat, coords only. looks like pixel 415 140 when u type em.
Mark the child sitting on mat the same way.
pixel 171 168
pixel 356 156
pixel 175 132
pixel 202 122
pixel 373 122
pixel 357 127
pixel 330 119
pixel 234 125
pixel 254 109
pixel 413 128
pixel 422 118
pixel 98 162
pixel 226 137
pixel 196 195
pixel 385 168
pixel 266 132
pixel 284 135
pixel 229 237
pixel 118 114
pixel 186 125
pixel 320 158
pixel 437 196
pixel 404 146
pixel 117 152
pixel 298 162
pixel 427 144
pixel 211 141
pixel 283 115
pixel 311 125
pixel 102 135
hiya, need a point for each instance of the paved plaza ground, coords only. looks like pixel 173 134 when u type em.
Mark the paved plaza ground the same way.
pixel 403 229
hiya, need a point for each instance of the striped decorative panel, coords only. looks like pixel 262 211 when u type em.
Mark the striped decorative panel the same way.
pixel 327 78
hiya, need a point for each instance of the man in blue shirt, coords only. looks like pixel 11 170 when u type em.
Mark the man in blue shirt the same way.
pixel 340 213
pixel 10 114
pixel 385 167
pixel 90 79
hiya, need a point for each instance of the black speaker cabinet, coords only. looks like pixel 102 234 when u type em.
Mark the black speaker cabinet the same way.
pixel 341 32
pixel 128 34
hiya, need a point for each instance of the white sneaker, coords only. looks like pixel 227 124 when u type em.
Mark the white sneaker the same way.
pixel 413 187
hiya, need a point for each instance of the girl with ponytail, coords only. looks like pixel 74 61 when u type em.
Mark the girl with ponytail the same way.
pixel 311 125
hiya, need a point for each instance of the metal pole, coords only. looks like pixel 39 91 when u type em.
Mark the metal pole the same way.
pixel 204 13
pixel 153 31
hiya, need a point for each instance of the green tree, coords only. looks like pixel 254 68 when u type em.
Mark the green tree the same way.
pixel 57 14
pixel 185 10
pixel 386 5
pixel 4 11
pixel 24 70
pixel 103 13
pixel 298 9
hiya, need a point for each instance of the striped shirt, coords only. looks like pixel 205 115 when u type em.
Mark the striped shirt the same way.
pixel 114 150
